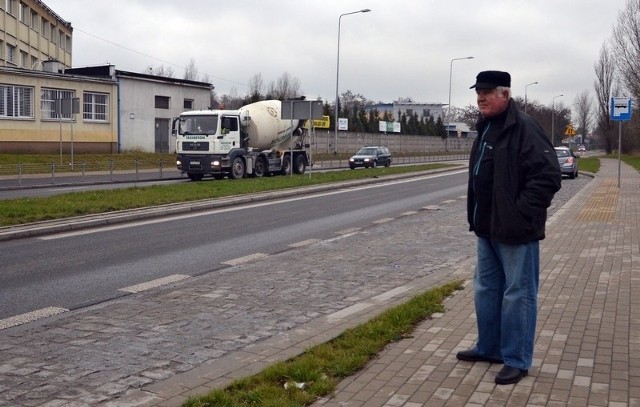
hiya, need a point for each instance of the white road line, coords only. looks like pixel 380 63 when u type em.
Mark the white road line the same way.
pixel 304 243
pixel 229 209
pixel 159 282
pixel 383 220
pixel 349 231
pixel 30 317
pixel 245 259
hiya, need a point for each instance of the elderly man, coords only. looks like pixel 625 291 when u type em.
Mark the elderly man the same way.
pixel 513 176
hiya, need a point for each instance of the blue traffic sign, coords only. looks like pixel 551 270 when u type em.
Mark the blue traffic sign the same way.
pixel 620 109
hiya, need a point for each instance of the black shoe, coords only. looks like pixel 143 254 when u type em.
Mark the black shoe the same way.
pixel 472 356
pixel 510 375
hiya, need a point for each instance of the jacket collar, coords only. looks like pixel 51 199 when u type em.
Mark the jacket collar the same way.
pixel 510 118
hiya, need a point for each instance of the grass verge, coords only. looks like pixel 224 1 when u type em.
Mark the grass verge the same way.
pixel 27 210
pixel 589 164
pixel 303 379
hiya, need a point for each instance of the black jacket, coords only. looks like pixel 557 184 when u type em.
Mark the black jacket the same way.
pixel 513 176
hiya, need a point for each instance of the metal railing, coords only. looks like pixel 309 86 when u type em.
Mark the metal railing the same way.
pixel 30 175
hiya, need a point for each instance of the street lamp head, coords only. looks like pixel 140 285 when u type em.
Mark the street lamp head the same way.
pixel 365 10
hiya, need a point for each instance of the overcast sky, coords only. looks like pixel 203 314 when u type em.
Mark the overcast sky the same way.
pixel 402 48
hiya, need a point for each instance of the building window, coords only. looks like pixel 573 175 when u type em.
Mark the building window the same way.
pixel 48 102
pixel 24 59
pixel 162 102
pixel 10 8
pixel 11 50
pixel 67 43
pixel 188 104
pixel 95 106
pixel 24 13
pixel 34 20
pixel 426 113
pixel 16 101
pixel 34 62
pixel 54 34
pixel 63 44
pixel 45 27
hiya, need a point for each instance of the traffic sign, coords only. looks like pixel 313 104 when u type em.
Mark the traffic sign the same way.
pixel 569 131
pixel 621 109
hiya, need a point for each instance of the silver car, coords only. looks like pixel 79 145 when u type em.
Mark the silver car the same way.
pixel 568 161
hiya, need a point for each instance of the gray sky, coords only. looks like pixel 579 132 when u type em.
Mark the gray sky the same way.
pixel 402 48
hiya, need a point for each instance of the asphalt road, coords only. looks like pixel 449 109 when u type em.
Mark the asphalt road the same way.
pixel 76 269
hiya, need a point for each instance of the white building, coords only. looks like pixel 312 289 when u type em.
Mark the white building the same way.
pixel 147 103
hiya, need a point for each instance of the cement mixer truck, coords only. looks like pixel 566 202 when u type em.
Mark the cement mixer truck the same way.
pixel 251 141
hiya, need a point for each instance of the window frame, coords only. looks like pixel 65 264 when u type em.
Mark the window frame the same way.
pixel 21 100
pixel 91 108
pixel 47 104
pixel 162 102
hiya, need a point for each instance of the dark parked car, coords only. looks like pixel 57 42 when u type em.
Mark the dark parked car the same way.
pixel 371 157
pixel 568 161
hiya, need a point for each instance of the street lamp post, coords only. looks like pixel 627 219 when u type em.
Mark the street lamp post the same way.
pixel 449 104
pixel 335 144
pixel 525 94
pixel 553 117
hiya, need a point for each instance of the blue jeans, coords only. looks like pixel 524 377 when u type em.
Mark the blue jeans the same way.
pixel 506 290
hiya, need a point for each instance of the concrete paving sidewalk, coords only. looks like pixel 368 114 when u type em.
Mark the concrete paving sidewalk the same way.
pixel 587 351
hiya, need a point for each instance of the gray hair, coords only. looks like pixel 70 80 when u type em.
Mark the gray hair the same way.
pixel 504 89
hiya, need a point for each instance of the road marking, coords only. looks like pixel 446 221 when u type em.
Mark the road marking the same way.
pixel 383 220
pixel 30 317
pixel 171 218
pixel 304 243
pixel 159 282
pixel 245 259
pixel 349 231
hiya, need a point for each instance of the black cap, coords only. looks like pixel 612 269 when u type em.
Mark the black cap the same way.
pixel 492 79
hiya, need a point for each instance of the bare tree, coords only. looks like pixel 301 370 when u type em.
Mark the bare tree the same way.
pixel 232 100
pixel 191 71
pixel 256 88
pixel 625 45
pixel 286 87
pixel 604 85
pixel 626 49
pixel 166 72
pixel 584 113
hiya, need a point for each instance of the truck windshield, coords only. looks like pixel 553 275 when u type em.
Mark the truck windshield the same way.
pixel 199 124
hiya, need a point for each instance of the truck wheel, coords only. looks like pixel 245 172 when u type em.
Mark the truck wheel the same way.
pixel 195 177
pixel 260 168
pixel 286 165
pixel 299 165
pixel 237 168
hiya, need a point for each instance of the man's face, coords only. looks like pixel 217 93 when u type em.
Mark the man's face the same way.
pixel 492 102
